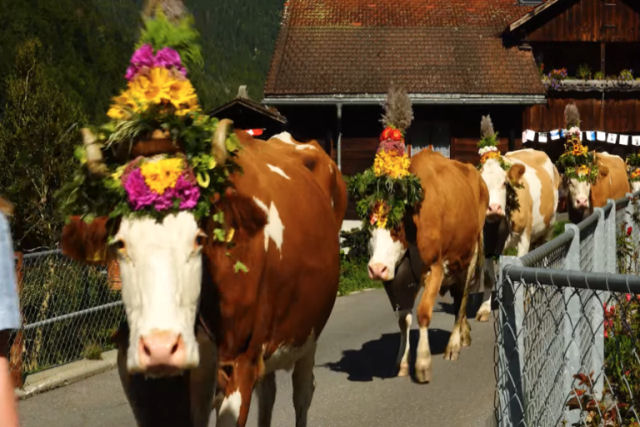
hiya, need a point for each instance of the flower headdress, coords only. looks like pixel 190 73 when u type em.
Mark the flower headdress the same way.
pixel 576 161
pixel 182 158
pixel 385 190
pixel 488 144
pixel 633 166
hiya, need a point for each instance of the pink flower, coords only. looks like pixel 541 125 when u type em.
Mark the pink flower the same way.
pixel 168 58
pixel 628 297
pixel 187 192
pixel 139 194
pixel 143 57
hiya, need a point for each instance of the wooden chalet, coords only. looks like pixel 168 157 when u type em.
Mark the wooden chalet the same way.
pixel 248 114
pixel 458 60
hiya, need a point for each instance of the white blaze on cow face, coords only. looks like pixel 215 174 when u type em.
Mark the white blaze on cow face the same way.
pixel 579 192
pixel 386 253
pixel 161 270
pixel 496 179
pixel 635 186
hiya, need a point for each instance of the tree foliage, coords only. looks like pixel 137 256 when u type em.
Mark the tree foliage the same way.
pixel 62 61
pixel 37 136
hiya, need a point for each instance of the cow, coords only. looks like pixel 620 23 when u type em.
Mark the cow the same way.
pixel 323 168
pixel 438 245
pixel 194 318
pixel 523 200
pixel 611 183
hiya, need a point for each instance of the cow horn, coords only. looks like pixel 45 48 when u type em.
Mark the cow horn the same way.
pixel 218 145
pixel 95 163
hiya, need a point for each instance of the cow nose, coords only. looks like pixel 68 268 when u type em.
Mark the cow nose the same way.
pixel 378 271
pixel 582 202
pixel 495 209
pixel 162 350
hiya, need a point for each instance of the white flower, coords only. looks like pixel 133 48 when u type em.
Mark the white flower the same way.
pixel 575 130
pixel 487 149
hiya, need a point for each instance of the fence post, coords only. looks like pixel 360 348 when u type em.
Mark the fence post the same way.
pixel 511 352
pixel 594 309
pixel 572 316
pixel 610 236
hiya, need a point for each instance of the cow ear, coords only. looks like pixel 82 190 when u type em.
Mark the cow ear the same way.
pixel 603 170
pixel 242 213
pixel 515 173
pixel 85 242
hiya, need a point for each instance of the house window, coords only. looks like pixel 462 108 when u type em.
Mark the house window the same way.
pixel 421 134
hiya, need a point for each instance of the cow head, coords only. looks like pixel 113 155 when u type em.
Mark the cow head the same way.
pixel 579 193
pixel 499 181
pixel 386 249
pixel 635 186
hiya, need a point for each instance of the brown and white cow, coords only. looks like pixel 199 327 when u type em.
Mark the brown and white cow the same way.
pixel 188 325
pixel 532 182
pixel 440 243
pixel 612 183
pixel 323 168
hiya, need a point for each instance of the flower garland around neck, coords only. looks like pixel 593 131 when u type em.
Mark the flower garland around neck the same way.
pixel 577 162
pixel 384 191
pixel 633 167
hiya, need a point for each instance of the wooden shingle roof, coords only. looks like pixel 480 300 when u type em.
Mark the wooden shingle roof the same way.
pixel 342 47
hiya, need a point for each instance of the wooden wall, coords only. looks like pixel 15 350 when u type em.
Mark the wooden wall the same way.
pixel 588 20
pixel 621 114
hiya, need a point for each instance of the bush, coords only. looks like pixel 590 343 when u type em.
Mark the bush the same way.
pixel 583 72
pixel 353 262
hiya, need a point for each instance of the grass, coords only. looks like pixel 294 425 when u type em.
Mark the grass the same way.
pixel 354 277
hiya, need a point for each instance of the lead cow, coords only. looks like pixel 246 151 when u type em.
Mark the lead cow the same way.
pixel 438 246
pixel 612 183
pixel 188 325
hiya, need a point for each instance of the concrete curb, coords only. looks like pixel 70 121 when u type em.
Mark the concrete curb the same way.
pixel 66 374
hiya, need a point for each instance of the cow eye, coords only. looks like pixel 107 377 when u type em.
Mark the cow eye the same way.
pixel 201 238
pixel 119 245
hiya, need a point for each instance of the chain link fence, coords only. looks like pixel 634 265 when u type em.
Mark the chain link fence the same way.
pixel 69 311
pixel 568 326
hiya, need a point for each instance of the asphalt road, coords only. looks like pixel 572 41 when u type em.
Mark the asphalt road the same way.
pixel 355 382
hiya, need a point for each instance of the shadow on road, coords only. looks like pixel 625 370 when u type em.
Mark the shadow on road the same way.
pixel 378 358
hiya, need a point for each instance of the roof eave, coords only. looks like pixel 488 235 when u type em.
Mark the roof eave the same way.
pixel 416 99
pixel 531 14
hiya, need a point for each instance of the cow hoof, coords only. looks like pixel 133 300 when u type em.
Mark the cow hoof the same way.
pixel 483 316
pixel 423 373
pixel 404 370
pixel 452 352
pixel 466 340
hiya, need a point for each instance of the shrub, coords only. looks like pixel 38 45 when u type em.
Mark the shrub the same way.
pixel 626 75
pixel 598 75
pixel 583 72
pixel 356 244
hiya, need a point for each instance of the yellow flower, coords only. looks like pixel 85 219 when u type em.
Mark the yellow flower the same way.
pixel 380 214
pixel 635 173
pixel 161 174
pixel 582 170
pixel 393 165
pixel 183 96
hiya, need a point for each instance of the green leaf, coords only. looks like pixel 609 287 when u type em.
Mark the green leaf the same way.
pixel 239 266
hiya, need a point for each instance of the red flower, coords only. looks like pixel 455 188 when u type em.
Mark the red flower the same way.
pixel 396 135
pixel 629 230
pixel 386 133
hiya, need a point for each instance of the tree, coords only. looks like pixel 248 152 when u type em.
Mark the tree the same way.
pixel 38 133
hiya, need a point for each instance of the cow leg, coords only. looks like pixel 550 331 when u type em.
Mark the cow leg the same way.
pixel 266 391
pixel 234 409
pixel 523 244
pixel 460 335
pixel 484 312
pixel 402 361
pixel 303 385
pixel 432 283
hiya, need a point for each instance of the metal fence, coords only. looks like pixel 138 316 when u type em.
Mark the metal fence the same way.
pixel 568 326
pixel 68 311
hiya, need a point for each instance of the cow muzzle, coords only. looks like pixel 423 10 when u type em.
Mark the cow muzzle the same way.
pixel 162 353
pixel 581 202
pixel 495 210
pixel 378 271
